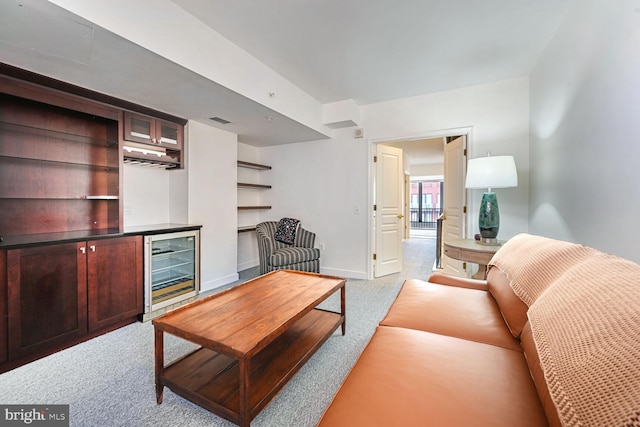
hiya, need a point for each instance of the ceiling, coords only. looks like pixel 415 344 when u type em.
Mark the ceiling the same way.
pixel 365 50
pixel 377 50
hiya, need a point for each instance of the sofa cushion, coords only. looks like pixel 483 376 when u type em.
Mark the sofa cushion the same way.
pixel 513 310
pixel 530 263
pixel 586 330
pixel 293 255
pixel 406 377
pixel 460 282
pixel 449 310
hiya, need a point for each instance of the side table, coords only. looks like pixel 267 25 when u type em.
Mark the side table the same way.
pixel 469 250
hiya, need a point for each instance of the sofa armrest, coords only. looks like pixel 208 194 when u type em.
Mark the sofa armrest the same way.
pixel 461 282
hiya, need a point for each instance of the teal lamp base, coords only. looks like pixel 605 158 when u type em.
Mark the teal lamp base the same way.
pixel 489 220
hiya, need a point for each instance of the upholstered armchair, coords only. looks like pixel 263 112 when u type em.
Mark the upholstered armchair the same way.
pixel 276 255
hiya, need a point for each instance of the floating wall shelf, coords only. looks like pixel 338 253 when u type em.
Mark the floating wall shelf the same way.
pixel 247 185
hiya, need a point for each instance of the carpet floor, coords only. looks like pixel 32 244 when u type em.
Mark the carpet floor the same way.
pixel 109 380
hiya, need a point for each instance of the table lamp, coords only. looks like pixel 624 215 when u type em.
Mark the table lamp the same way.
pixel 490 172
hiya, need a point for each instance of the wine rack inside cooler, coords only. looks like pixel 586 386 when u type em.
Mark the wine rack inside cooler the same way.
pixel 172 269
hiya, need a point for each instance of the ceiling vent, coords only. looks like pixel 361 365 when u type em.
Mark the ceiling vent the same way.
pixel 220 120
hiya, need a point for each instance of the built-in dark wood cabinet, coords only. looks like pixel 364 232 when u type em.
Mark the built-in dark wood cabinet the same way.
pixel 148 139
pixel 3 306
pixel 60 294
pixel 68 272
pixel 115 279
pixel 59 169
pixel 47 289
pixel 148 130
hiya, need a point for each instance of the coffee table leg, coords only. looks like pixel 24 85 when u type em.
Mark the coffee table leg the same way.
pixel 343 309
pixel 159 353
pixel 245 420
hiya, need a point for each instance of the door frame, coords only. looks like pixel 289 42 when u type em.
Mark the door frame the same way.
pixel 372 142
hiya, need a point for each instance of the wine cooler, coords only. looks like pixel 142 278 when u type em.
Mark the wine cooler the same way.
pixel 172 272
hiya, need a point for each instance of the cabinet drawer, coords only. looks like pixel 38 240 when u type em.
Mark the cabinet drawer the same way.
pixel 452 252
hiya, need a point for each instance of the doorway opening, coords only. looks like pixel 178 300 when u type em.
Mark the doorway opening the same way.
pixel 425 206
pixel 424 191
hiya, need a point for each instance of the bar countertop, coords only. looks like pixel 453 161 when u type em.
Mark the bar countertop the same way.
pixel 18 241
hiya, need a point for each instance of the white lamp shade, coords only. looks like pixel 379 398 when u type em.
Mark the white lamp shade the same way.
pixel 492 172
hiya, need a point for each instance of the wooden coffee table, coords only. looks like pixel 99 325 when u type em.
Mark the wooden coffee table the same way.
pixel 253 337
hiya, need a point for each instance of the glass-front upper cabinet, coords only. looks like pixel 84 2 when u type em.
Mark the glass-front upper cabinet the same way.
pixel 148 130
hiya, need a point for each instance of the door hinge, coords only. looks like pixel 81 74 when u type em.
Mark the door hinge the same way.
pixel 465 152
pixel 464 209
pixel 375 257
pixel 375 159
pixel 375 207
pixel 464 266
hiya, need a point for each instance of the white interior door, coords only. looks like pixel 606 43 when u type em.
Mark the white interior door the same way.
pixel 388 214
pixel 454 200
pixel 406 224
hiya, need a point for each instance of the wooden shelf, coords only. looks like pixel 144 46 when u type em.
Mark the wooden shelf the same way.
pixel 246 208
pixel 212 379
pixel 61 163
pixel 168 159
pixel 246 185
pixel 27 197
pixel 249 165
pixel 59 168
pixel 257 186
pixel 17 132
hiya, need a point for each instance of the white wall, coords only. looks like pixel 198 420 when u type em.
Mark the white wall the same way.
pixel 145 195
pixel 585 103
pixel 323 183
pixel 427 170
pixel 204 193
pixel 213 193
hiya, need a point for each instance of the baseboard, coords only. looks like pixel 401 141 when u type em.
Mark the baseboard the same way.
pixel 249 264
pixel 213 284
pixel 344 273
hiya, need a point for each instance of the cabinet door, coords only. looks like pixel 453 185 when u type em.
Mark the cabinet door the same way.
pixel 114 280
pixel 47 304
pixel 3 306
pixel 169 134
pixel 147 130
pixel 139 128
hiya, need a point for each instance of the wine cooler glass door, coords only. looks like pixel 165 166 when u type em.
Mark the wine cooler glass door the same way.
pixel 172 273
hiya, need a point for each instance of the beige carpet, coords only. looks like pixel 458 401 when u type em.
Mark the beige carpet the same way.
pixel 108 381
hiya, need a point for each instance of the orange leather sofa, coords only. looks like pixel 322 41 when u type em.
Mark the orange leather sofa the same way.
pixel 461 352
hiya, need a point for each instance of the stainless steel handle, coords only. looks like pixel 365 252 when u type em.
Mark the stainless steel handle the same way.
pixel 83 249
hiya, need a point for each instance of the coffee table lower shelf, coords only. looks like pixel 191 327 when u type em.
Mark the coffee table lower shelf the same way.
pixel 212 380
